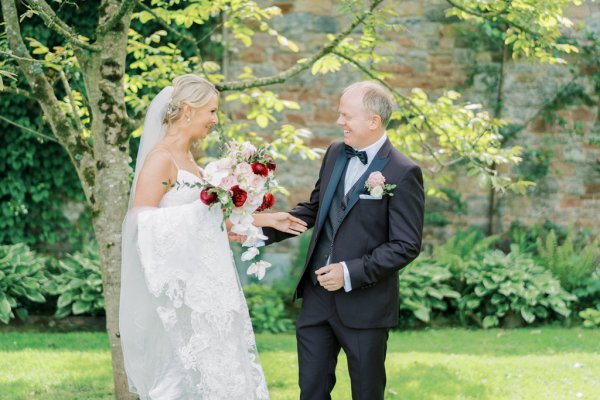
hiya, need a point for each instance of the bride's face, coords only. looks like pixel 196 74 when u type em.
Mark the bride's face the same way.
pixel 203 119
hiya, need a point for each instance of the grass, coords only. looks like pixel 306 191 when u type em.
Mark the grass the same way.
pixel 544 363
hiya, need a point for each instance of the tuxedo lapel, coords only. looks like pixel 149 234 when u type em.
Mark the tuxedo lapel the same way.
pixel 378 164
pixel 336 174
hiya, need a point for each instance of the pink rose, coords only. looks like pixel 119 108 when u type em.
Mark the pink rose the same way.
pixel 243 170
pixel 257 183
pixel 375 179
pixel 228 182
pixel 248 150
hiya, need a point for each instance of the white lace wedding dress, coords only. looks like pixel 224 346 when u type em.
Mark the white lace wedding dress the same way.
pixel 185 328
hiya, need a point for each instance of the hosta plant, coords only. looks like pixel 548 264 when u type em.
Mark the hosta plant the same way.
pixel 22 276
pixel 425 289
pixel 78 284
pixel 511 284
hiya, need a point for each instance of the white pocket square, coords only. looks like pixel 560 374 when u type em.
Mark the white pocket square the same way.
pixel 368 197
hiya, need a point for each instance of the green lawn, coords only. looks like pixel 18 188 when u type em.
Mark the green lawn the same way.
pixel 545 363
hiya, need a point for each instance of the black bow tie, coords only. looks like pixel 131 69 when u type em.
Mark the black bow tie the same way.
pixel 362 155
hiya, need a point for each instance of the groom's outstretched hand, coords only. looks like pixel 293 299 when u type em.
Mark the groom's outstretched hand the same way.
pixel 331 276
pixel 287 223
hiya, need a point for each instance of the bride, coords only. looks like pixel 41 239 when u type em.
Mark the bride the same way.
pixel 184 323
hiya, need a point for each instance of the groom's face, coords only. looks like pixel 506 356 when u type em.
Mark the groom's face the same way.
pixel 356 122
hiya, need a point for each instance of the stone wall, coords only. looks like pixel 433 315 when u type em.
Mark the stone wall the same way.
pixel 432 54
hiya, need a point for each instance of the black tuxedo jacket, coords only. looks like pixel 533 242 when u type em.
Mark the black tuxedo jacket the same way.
pixel 376 238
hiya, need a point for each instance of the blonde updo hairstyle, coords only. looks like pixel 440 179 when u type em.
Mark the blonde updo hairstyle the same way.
pixel 191 90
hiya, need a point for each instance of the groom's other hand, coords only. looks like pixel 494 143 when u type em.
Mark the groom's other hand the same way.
pixel 331 276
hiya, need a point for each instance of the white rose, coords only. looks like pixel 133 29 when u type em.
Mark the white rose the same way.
pixel 377 192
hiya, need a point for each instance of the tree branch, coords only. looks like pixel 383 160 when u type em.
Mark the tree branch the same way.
pixel 55 23
pixel 29 130
pixel 497 15
pixel 11 55
pixel 65 82
pixel 296 69
pixel 19 92
pixel 41 89
pixel 181 36
pixel 126 7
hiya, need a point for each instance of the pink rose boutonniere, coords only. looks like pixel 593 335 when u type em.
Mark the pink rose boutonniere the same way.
pixel 377 187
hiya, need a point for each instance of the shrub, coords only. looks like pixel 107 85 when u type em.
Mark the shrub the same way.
pixel 526 237
pixel 572 263
pixel 78 284
pixel 501 285
pixel 424 290
pixel 591 317
pixel 588 292
pixel 22 276
pixel 464 247
pixel 266 309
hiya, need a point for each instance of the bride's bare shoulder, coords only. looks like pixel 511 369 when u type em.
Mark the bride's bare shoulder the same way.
pixel 159 160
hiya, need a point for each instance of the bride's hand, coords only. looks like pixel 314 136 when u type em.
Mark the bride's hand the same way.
pixel 286 222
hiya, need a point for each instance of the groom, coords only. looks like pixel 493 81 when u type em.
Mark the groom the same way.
pixel 361 239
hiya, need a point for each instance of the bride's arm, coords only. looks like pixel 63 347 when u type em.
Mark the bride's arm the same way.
pixel 150 188
pixel 281 221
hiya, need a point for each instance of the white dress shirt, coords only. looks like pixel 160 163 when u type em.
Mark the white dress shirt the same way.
pixel 354 171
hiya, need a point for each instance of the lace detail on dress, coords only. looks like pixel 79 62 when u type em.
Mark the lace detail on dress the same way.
pixel 188 267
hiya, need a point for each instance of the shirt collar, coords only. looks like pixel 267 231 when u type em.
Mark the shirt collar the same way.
pixel 373 149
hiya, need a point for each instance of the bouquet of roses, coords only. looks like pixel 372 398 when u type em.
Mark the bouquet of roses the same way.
pixel 241 183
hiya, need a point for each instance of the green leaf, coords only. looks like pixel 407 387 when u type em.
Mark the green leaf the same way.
pixel 64 300
pixel 422 314
pixel 80 307
pixel 35 296
pixel 62 312
pixel 527 315
pixel 262 121
pixel 22 313
pixel 490 321
pixel 4 305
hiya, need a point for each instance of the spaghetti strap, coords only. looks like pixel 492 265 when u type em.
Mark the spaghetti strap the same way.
pixel 169 153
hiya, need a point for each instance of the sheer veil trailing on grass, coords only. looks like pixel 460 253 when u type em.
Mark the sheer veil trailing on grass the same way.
pixel 184 324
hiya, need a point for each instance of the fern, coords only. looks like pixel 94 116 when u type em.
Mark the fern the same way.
pixel 570 262
pixel 462 249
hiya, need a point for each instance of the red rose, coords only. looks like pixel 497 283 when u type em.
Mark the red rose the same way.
pixel 268 202
pixel 260 169
pixel 239 196
pixel 271 164
pixel 208 197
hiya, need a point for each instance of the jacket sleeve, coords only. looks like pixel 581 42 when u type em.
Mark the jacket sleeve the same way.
pixel 406 209
pixel 306 211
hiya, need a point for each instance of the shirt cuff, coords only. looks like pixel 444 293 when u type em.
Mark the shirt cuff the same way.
pixel 347 282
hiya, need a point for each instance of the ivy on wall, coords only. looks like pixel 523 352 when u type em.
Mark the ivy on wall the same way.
pixel 38 186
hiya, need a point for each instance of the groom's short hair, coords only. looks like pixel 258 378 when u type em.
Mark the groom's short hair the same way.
pixel 376 99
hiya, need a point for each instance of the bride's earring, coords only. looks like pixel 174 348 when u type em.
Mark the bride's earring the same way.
pixel 188 118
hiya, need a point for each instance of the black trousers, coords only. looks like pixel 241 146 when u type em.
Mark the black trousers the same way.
pixel 320 336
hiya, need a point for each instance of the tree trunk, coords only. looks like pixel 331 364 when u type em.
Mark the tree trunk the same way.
pixel 104 73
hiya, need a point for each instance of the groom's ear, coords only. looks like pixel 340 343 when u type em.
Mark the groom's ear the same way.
pixel 374 122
